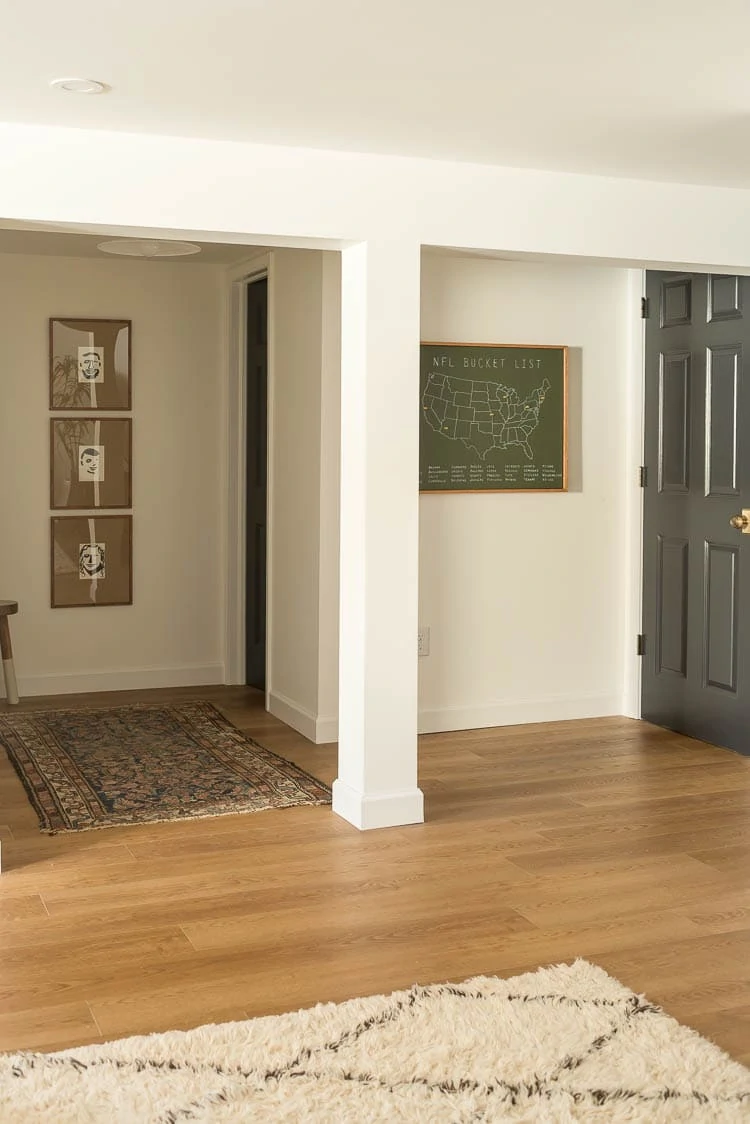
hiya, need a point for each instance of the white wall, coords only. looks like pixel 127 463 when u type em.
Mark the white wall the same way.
pixel 330 453
pixel 379 210
pixel 173 632
pixel 303 420
pixel 524 594
pixel 270 195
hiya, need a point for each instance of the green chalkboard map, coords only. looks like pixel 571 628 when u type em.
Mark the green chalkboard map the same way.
pixel 493 418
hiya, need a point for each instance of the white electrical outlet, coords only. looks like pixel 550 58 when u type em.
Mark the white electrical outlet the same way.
pixel 423 640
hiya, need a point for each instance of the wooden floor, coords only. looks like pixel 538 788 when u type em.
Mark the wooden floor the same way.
pixel 607 839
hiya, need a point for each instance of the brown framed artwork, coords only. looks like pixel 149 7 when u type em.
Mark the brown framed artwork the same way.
pixel 91 560
pixel 90 462
pixel 493 417
pixel 89 364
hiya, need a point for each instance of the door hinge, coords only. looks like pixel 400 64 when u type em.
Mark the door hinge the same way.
pixel 645 308
pixel 643 476
pixel 640 643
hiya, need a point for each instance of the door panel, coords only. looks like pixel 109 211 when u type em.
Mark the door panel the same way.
pixel 674 422
pixel 675 303
pixel 696 666
pixel 720 633
pixel 724 298
pixel 672 604
pixel 722 398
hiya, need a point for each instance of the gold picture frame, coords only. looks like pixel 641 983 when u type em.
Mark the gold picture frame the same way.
pixel 90 364
pixel 91 561
pixel 90 463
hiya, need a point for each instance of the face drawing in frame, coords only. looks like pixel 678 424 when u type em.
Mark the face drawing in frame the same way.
pixel 90 464
pixel 91 364
pixel 92 561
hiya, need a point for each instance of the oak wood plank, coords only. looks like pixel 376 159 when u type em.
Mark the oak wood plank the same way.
pixel 607 838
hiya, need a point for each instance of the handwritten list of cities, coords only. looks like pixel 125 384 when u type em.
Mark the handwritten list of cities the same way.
pixel 493 418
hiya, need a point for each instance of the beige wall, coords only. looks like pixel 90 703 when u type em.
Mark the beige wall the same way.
pixel 295 479
pixel 330 452
pixel 524 594
pixel 304 422
pixel 173 632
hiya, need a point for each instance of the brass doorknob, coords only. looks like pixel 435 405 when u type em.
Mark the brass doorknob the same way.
pixel 741 522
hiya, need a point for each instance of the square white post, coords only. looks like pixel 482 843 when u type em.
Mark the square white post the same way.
pixel 377 781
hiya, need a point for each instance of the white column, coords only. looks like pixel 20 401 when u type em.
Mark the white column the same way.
pixel 377 781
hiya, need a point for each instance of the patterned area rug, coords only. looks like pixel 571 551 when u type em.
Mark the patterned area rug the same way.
pixel 563 1044
pixel 86 769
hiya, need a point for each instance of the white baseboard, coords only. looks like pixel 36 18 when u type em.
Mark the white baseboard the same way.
pixel 631 703
pixel 129 679
pixel 555 708
pixel 316 730
pixel 383 809
pixel 296 716
pixel 321 730
pixel 326 730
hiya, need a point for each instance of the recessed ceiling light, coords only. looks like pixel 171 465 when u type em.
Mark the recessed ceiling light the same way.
pixel 148 248
pixel 79 86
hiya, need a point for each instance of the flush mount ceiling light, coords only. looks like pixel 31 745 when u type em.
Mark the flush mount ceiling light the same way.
pixel 79 86
pixel 148 248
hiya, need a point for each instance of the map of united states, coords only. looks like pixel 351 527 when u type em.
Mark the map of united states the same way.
pixel 483 415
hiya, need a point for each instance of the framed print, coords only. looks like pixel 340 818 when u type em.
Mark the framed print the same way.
pixel 493 418
pixel 89 364
pixel 92 560
pixel 90 462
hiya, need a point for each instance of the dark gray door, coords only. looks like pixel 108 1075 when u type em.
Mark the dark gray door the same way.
pixel 696 593
pixel 256 488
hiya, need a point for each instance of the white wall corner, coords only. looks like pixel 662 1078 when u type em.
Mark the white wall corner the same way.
pixel 298 717
pixel 326 730
pixel 383 809
pixel 330 451
pixel 293 519
pixel 633 494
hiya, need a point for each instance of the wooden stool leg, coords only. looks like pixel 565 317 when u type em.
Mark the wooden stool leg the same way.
pixel 9 671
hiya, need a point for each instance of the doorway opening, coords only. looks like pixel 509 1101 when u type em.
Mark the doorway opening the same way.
pixel 256 479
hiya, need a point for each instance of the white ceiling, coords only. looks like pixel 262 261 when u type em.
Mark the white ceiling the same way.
pixel 649 88
pixel 20 241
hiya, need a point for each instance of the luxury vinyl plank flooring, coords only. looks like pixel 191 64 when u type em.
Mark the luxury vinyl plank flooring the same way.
pixel 606 838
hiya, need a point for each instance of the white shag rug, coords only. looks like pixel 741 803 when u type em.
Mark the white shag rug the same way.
pixel 566 1043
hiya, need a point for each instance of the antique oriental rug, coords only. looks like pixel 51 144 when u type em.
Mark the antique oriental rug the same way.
pixel 562 1044
pixel 87 769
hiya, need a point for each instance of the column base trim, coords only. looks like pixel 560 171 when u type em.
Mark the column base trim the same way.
pixel 382 809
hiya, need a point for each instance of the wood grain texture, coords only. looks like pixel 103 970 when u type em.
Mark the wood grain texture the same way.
pixel 607 838
pixel 6 644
